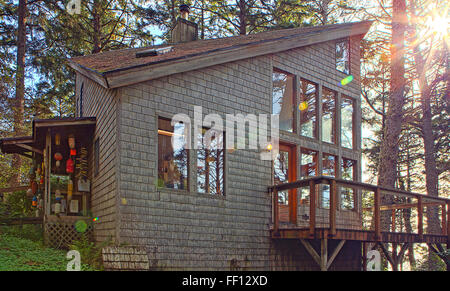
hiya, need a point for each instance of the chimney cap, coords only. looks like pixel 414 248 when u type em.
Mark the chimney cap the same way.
pixel 184 8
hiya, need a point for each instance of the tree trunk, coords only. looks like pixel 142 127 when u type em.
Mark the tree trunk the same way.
pixel 96 27
pixel 242 17
pixel 19 102
pixel 387 174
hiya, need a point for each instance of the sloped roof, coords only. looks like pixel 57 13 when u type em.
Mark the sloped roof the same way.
pixel 99 66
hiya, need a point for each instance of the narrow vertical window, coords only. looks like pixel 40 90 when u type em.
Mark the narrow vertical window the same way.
pixel 283 99
pixel 347 120
pixel 348 171
pixel 281 174
pixel 328 169
pixel 328 116
pixel 172 155
pixel 308 168
pixel 211 163
pixel 96 157
pixel 307 108
pixel 343 56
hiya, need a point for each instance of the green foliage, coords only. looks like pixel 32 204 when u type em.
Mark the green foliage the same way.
pixel 27 231
pixel 91 253
pixel 18 254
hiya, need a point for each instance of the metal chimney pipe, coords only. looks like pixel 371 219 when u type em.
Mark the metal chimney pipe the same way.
pixel 184 10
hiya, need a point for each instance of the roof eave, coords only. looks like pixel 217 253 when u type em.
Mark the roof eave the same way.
pixel 129 76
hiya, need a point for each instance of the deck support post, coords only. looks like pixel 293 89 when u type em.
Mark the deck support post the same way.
pixel 333 207
pixel 323 254
pixel 394 258
pixel 312 208
pixel 275 210
pixel 322 260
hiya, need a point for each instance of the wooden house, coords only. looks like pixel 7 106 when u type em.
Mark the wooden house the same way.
pixel 250 214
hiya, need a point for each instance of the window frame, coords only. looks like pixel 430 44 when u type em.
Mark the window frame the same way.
pixel 346 40
pixel 224 168
pixel 354 178
pixel 334 118
pixel 188 163
pixel 294 98
pixel 353 101
pixel 316 110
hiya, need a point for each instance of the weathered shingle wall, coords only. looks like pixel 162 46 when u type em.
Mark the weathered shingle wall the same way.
pixel 102 103
pixel 189 230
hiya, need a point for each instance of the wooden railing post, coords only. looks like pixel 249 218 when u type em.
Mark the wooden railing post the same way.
pixel 275 210
pixel 312 208
pixel 377 213
pixel 333 206
pixel 444 220
pixel 420 217
pixel 448 224
pixel 393 220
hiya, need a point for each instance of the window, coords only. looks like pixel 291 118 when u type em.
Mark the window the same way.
pixel 211 163
pixel 281 174
pixel 328 169
pixel 283 99
pixel 307 108
pixel 172 155
pixel 284 167
pixel 308 168
pixel 96 157
pixel 347 119
pixel 343 56
pixel 328 116
pixel 348 169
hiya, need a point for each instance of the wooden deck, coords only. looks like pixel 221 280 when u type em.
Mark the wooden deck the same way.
pixel 356 235
pixel 377 233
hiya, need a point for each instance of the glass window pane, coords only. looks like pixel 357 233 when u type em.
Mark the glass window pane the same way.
pixel 307 107
pixel 308 168
pixel 347 193
pixel 211 164
pixel 308 163
pixel 328 169
pixel 283 99
pixel 172 157
pixel 347 122
pixel 281 174
pixel 328 115
pixel 343 57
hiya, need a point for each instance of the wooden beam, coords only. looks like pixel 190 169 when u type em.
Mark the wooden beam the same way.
pixel 275 210
pixel 311 251
pixel 420 216
pixel 377 214
pixel 333 207
pixel 403 206
pixel 448 224
pixel 31 149
pixel 312 208
pixel 324 254
pixel 388 256
pixel 402 253
pixel 335 253
pixel 444 219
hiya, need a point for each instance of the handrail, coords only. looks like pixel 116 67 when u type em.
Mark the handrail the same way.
pixel 311 182
pixel 342 182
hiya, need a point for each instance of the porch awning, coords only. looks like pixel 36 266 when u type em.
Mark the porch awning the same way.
pixel 40 127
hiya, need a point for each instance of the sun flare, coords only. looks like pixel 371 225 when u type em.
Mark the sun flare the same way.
pixel 438 24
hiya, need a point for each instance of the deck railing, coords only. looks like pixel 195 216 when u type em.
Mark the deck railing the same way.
pixel 400 201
